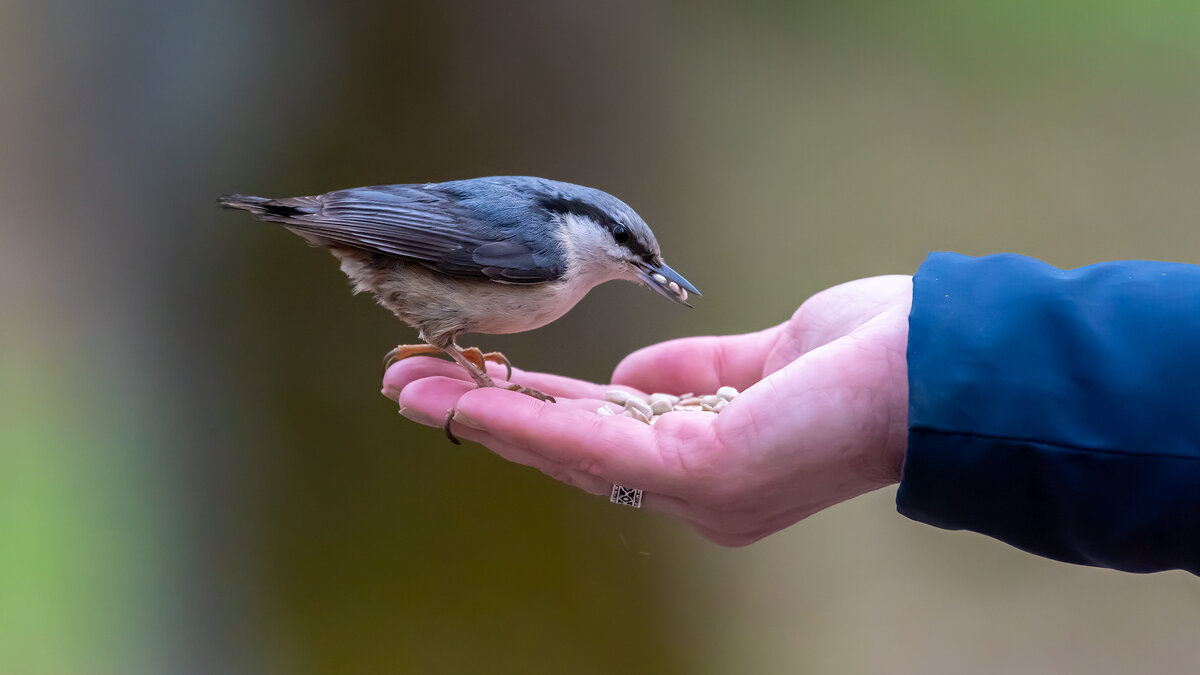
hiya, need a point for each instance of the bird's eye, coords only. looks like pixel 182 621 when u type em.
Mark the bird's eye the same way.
pixel 621 234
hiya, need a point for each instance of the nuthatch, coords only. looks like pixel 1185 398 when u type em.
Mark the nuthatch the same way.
pixel 488 255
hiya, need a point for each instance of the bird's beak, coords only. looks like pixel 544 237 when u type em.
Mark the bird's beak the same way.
pixel 666 282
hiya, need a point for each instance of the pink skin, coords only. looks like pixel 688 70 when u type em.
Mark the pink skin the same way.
pixel 822 416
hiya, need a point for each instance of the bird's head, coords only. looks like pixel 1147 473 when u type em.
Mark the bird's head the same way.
pixel 605 239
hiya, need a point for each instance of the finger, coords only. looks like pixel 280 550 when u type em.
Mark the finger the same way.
pixel 698 364
pixel 672 506
pixel 400 374
pixel 592 484
pixel 589 483
pixel 619 449
pixel 426 401
pixel 596 485
pixel 567 387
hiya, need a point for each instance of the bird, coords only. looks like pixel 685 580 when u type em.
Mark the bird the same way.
pixel 491 255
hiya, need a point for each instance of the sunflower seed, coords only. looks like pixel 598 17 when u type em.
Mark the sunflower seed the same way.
pixel 669 398
pixel 617 396
pixel 661 406
pixel 637 415
pixel 635 403
pixel 659 403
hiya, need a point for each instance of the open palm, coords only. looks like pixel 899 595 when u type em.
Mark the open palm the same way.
pixel 822 416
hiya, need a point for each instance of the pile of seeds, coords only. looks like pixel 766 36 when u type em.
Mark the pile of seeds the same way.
pixel 649 410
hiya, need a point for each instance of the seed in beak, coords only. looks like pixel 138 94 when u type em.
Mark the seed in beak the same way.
pixel 659 278
pixel 683 294
pixel 674 287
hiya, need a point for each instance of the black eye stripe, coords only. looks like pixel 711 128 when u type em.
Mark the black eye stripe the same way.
pixel 559 203
pixel 576 207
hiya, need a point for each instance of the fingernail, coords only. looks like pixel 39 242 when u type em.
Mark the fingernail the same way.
pixel 466 420
pixel 415 416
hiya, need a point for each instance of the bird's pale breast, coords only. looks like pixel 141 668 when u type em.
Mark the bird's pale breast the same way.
pixel 441 307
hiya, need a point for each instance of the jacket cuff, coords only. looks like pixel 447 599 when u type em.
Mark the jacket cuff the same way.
pixel 1056 410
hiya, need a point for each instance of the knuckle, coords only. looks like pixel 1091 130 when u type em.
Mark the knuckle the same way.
pixel 560 474
pixel 591 466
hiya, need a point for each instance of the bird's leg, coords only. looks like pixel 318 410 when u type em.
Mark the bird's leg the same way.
pixel 473 360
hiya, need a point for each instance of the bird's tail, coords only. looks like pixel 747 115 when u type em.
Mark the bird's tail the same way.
pixel 243 202
pixel 280 210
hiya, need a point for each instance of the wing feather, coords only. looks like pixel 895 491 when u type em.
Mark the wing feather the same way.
pixel 415 222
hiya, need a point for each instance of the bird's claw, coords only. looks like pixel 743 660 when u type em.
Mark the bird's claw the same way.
pixel 476 358
pixel 479 358
pixel 529 391
pixel 401 352
pixel 446 427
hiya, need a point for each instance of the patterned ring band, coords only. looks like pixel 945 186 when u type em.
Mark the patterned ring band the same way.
pixel 626 496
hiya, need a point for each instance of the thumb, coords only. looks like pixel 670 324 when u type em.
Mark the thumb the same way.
pixel 698 364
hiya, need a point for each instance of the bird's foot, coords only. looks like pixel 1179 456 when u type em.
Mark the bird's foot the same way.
pixel 402 352
pixel 480 358
pixel 472 354
pixel 530 391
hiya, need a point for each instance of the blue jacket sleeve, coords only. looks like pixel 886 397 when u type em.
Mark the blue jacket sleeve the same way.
pixel 1058 410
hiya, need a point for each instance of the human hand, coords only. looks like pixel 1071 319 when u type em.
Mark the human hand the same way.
pixel 822 416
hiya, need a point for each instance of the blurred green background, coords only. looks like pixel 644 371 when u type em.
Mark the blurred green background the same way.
pixel 198 474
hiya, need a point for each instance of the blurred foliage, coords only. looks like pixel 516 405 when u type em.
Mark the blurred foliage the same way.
pixel 197 473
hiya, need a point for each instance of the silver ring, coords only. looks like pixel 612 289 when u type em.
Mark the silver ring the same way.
pixel 626 496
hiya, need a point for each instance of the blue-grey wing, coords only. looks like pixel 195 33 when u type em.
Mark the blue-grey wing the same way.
pixel 415 222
